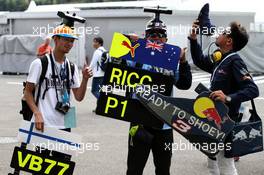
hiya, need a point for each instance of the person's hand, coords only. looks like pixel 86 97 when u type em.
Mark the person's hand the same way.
pixel 39 122
pixel 87 72
pixel 183 55
pixel 133 37
pixel 195 27
pixel 218 95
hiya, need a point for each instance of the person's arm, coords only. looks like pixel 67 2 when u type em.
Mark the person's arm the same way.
pixel 28 94
pixel 79 92
pixel 248 90
pixel 185 76
pixel 32 80
pixel 184 81
pixel 199 59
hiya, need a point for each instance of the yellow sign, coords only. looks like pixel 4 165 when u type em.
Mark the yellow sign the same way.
pixel 121 45
pixel 38 163
pixel 122 77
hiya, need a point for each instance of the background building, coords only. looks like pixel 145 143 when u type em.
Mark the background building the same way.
pixel 104 19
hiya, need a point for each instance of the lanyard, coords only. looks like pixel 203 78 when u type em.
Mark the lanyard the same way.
pixel 212 77
pixel 62 74
pixel 53 66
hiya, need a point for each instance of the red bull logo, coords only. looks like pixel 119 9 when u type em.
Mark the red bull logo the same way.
pixel 204 107
pixel 212 115
pixel 121 46
pixel 132 49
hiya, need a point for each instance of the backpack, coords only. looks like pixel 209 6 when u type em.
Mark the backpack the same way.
pixel 105 58
pixel 26 111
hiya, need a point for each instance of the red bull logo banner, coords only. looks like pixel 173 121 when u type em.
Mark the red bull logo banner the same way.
pixel 202 121
pixel 145 52
pixel 205 108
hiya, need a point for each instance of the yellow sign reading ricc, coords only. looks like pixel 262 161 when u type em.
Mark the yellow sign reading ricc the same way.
pixel 121 77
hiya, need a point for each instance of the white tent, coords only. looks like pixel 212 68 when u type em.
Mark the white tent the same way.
pixel 128 17
pixel 193 5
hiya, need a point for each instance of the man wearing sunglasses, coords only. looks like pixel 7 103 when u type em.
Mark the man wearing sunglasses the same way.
pixel 231 82
pixel 150 138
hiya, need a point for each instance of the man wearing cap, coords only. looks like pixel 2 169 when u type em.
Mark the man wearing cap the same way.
pixel 155 139
pixel 55 97
pixel 231 82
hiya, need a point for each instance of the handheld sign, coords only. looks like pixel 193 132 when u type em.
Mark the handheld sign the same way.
pixel 205 123
pixel 51 138
pixel 119 84
pixel 145 51
pixel 40 164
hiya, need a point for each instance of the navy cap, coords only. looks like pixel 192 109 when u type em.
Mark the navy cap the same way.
pixel 206 27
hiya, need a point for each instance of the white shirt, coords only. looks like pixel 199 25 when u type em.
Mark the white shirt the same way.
pixel 97 71
pixel 51 117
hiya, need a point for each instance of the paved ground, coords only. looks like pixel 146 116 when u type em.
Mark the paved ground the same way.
pixel 111 135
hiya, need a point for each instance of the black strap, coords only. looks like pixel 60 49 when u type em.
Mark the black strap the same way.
pixel 253 106
pixel 70 69
pixel 44 65
pixel 104 55
pixel 54 75
pixel 253 111
pixel 201 39
pixel 68 78
pixel 46 89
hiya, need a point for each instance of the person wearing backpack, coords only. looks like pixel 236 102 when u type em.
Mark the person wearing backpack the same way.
pixel 97 67
pixel 50 81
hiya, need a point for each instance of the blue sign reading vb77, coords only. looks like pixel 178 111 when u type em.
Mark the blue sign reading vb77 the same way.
pixel 39 163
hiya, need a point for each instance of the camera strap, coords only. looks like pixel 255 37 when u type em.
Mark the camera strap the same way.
pixel 62 74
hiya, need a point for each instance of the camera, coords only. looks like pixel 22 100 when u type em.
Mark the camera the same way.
pixel 62 107
pixel 201 88
pixel 69 19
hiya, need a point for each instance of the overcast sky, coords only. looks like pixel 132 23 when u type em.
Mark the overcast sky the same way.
pixel 223 5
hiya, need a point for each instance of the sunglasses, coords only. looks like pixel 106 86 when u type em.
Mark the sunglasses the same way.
pixel 154 34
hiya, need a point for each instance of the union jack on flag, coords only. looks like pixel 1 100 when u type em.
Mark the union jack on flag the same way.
pixel 154 45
